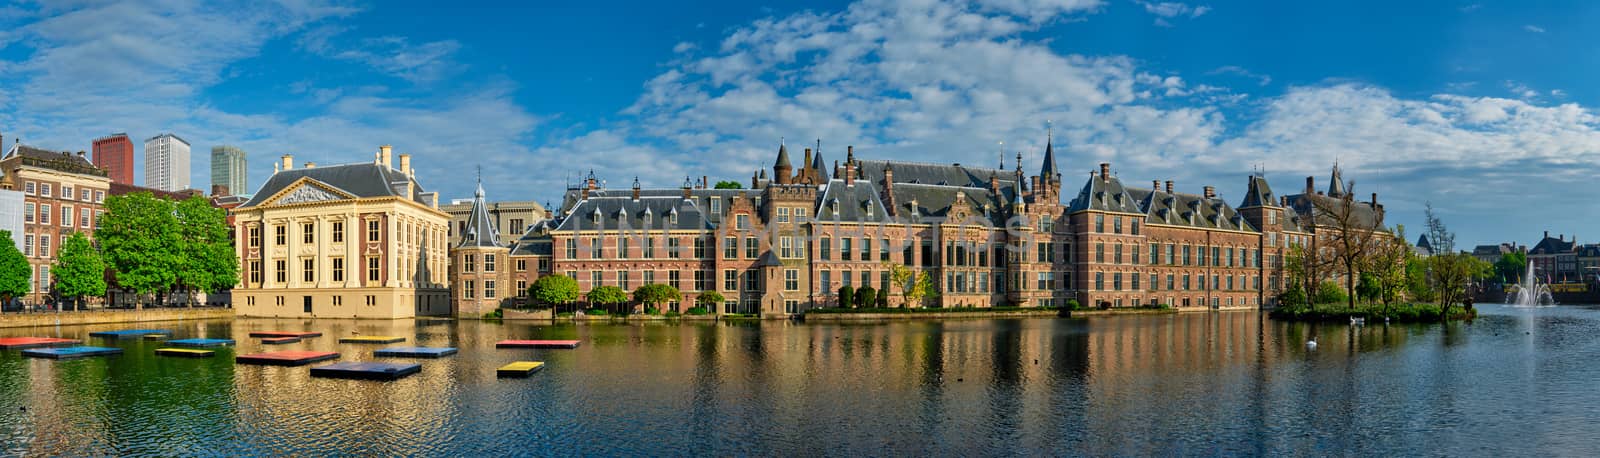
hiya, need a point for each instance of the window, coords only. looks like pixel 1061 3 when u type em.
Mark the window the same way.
pixel 1171 285
pixel 701 283
pixel 1135 279
pixel 730 247
pixel 674 280
pixel 516 225
pixel 825 248
pixel 786 248
pixel 469 263
pixel 372 300
pixel 372 231
pixel 752 247
pixel 488 289
pixel 751 281
pixel 307 233
pixel 338 231
pixel 594 248
pixel 1116 281
pixel 845 252
pixel 649 277
pixel 1100 253
pixel 783 214
pixel 83 218
pixel 791 280
pixel 799 213
pixel 522 288
pixel 845 279
pixel 27 245
pixel 338 269
pixel 1118 258
pixel 716 205
pixel 66 192
pixel 699 248
pixel 522 265
pixel 572 248
pixel 1172 258
pixel 279 235
pixel 99 196
pixel 97 215
pixel 85 196
pixel 1045 281
pixel 825 278
pixel 730 280
pixel 1133 250
pixel 467 288
pixel 373 269
pixel 741 222
pixel 883 250
pixel 255 272
pixel 1186 283
pixel 28 188
pixel 1100 223
pixel 44 214
pixel 308 270
pixel 66 216
pixel 672 248
pixel 866 249
pixel 282 272
pixel 596 279
pixel 1135 227
pixel 622 246
pixel 488 263
pixel 649 249
pixel 791 306
pixel 622 280
pixel 1099 281
pixel 1116 225
pixel 44 189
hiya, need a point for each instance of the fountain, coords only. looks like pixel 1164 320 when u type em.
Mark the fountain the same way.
pixel 1530 293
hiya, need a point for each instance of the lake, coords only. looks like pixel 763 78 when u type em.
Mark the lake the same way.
pixel 1515 381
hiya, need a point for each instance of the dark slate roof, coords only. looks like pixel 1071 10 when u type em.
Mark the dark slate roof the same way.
pixel 1104 195
pixel 480 231
pixel 701 197
pixel 1336 187
pixel 56 160
pixel 1422 242
pixel 857 202
pixel 1048 170
pixel 1551 245
pixel 535 240
pixel 1496 250
pixel 783 157
pixel 362 180
pixel 1180 209
pixel 624 211
pixel 1589 251
pixel 1258 194
pixel 820 165
pixel 937 174
pixel 936 200
pixel 1365 214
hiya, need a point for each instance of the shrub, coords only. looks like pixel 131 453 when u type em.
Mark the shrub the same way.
pixel 672 314
pixel 1072 304
pixel 494 315
pixel 652 311
pixel 1292 296
pixel 596 312
pixel 865 296
pixel 882 301
pixel 1329 292
pixel 697 311
pixel 847 296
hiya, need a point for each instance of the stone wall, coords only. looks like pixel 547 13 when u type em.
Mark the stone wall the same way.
pixel 17 320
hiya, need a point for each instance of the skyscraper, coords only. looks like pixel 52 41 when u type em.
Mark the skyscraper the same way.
pixel 114 154
pixel 166 162
pixel 228 169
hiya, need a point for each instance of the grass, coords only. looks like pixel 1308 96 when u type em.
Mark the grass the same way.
pixel 1398 313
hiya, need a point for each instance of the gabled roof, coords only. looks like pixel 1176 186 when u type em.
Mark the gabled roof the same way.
pixel 935 174
pixel 653 213
pixel 914 201
pixel 857 202
pixel 1180 209
pixel 361 180
pixel 1104 194
pixel 1258 193
pixel 480 230
pixel 1551 245
pixel 1306 204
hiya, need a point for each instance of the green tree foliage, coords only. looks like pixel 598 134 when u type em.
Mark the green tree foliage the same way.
pixel 1451 274
pixel 554 290
pixel 847 296
pixel 1329 292
pixel 1388 267
pixel 1367 287
pixel 923 290
pixel 14 269
pixel 900 276
pixel 140 238
pixel 882 301
pixel 79 270
pixel 710 299
pixel 206 262
pixel 1417 284
pixel 865 296
pixel 1511 267
pixel 728 184
pixel 607 295
pixel 656 293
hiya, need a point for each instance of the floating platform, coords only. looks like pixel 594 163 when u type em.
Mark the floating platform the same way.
pixel 519 369
pixel 536 344
pixel 366 370
pixel 185 352
pixel 155 337
pixel 35 342
pixel 372 339
pixel 130 333
pixel 200 342
pixel 285 358
pixel 280 340
pixel 302 335
pixel 415 352
pixel 70 352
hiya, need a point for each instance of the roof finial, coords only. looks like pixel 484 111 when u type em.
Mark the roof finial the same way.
pixel 1049 130
pixel 1002 155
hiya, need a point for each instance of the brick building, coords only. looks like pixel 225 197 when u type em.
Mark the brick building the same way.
pixel 62 194
pixel 114 154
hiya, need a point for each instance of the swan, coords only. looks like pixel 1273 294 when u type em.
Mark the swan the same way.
pixel 1311 344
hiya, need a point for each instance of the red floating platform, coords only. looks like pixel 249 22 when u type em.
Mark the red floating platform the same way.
pixel 35 342
pixel 285 358
pixel 285 334
pixel 279 340
pixel 536 344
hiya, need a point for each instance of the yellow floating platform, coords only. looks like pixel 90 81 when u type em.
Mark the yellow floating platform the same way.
pixel 372 339
pixel 189 352
pixel 519 368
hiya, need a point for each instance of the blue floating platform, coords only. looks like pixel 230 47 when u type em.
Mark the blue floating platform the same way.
pixel 366 370
pixel 70 352
pixel 415 352
pixel 129 333
pixel 200 342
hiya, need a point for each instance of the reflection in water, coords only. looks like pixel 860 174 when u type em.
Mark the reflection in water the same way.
pixel 1201 383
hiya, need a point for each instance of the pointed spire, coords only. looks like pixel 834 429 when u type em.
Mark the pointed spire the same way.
pixel 1048 170
pixel 480 231
pixel 1336 188
pixel 1002 156
pixel 783 155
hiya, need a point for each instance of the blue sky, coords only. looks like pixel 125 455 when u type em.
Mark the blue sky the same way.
pixel 1478 107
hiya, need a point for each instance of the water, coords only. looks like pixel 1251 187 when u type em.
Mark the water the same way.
pixel 1530 293
pixel 1516 381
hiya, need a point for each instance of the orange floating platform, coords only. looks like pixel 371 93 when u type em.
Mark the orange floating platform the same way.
pixel 35 342
pixel 536 344
pixel 285 358
pixel 285 334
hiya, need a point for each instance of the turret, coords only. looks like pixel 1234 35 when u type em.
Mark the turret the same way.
pixel 782 170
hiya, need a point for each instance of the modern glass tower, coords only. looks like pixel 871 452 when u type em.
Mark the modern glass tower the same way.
pixel 228 168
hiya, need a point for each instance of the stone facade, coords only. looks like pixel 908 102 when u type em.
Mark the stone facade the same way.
pixel 356 240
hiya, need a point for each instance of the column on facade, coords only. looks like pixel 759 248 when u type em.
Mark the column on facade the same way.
pixel 391 248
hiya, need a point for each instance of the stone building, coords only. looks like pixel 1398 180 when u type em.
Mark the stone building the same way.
pixel 513 217
pixel 1555 259
pixel 984 236
pixel 360 240
pixel 62 194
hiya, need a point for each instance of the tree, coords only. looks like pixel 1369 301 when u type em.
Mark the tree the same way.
pixel 206 262
pixel 554 290
pixel 728 184
pixel 900 276
pixel 607 296
pixel 882 301
pixel 923 290
pixel 139 237
pixel 1367 287
pixel 656 293
pixel 1306 270
pixel 1451 275
pixel 1347 234
pixel 710 299
pixel 865 296
pixel 1511 267
pixel 1389 267
pixel 14 269
pixel 847 297
pixel 79 270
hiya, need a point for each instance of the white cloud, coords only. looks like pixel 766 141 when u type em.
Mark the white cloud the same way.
pixel 1262 80
pixel 1174 9
pixel 1522 91
pixel 1533 28
pixel 683 47
pixel 392 55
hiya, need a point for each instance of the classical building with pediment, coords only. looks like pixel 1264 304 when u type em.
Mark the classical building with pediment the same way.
pixel 357 240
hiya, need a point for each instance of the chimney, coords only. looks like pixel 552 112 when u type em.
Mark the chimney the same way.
pixel 755 182
pixel 1311 184
pixel 405 165
pixel 1210 192
pixel 1169 186
pixel 311 165
pixel 635 188
pixel 1374 199
pixel 850 153
pixel 1105 171
pixel 888 189
pixel 807 163
pixel 1546 234
pixel 705 182
pixel 1155 185
pixel 288 162
pixel 385 155
pixel 838 172
pixel 219 190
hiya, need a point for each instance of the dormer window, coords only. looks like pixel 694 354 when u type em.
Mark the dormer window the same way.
pixel 868 209
pixel 596 217
pixel 646 217
pixel 672 217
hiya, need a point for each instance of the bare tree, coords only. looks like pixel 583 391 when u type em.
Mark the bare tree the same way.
pixel 1349 232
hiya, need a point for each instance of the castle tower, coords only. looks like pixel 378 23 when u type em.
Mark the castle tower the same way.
pixel 480 267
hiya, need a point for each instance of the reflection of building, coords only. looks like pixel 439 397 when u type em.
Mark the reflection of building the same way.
pixel 62 193
pixel 229 170
pixel 351 240
pixel 114 154
pixel 1555 260
pixel 512 217
pixel 166 162
pixel 984 237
